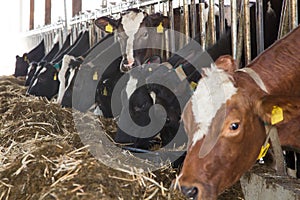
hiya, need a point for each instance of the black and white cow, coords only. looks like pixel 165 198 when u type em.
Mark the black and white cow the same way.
pixel 46 82
pixel 36 68
pixel 138 34
pixel 47 58
pixel 71 65
pixel 35 55
pixel 93 72
pixel 169 94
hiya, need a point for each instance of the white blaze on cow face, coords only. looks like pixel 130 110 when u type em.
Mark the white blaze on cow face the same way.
pixel 36 80
pixel 61 76
pixel 131 86
pixel 131 24
pixel 212 92
pixel 72 74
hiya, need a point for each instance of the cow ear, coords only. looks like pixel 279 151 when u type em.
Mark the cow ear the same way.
pixel 278 109
pixel 158 19
pixel 106 24
pixel 227 63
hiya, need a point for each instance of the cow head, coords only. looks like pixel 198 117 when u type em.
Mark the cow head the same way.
pixel 138 34
pixel 224 120
pixel 46 83
pixel 22 64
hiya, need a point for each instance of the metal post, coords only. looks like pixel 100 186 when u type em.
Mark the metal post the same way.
pixel 186 21
pixel 234 28
pixel 283 19
pixel 259 26
pixel 92 37
pixel 240 36
pixel 182 25
pixel 247 36
pixel 66 19
pixel 222 17
pixel 276 146
pixel 294 13
pixel 172 35
pixel 193 18
pixel 202 25
pixel 211 22
pixel 166 42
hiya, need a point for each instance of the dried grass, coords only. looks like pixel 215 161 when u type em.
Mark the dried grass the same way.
pixel 42 156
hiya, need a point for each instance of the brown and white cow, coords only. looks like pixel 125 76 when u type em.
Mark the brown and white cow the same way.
pixel 225 118
pixel 140 35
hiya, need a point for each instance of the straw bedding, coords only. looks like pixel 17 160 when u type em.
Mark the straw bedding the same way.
pixel 42 155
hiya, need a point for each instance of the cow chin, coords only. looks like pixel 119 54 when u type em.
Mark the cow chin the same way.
pixel 126 67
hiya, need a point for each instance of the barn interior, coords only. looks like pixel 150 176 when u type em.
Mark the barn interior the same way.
pixel 53 150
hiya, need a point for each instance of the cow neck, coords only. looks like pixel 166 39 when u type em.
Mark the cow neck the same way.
pixel 255 77
pixel 270 129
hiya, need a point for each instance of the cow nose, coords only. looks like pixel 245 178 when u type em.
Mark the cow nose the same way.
pixel 190 192
pixel 126 66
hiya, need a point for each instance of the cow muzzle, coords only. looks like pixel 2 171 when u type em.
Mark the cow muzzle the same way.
pixel 126 65
pixel 190 192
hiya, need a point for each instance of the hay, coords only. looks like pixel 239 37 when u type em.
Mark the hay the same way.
pixel 42 155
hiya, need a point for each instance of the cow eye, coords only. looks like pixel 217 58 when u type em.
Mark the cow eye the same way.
pixel 234 126
pixel 145 34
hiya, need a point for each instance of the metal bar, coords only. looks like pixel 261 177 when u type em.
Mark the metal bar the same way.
pixel 240 37
pixel 277 150
pixel 172 34
pixel 234 28
pixel 166 38
pixel 222 17
pixel 186 20
pixel 294 13
pixel 202 25
pixel 247 37
pixel 211 23
pixel 283 19
pixel 66 18
pixel 259 26
pixel 193 18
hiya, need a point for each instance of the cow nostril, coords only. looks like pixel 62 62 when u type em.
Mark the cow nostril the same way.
pixel 190 192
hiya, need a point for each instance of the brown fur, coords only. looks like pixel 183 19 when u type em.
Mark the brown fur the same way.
pixel 236 150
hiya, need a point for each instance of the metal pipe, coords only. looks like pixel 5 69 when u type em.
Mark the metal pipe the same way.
pixel 166 38
pixel 247 37
pixel 283 19
pixel 222 17
pixel 240 36
pixel 259 26
pixel 186 20
pixel 172 35
pixel 234 28
pixel 66 19
pixel 193 18
pixel 202 25
pixel 294 13
pixel 211 22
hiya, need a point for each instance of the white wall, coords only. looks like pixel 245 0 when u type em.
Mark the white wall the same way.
pixel 10 42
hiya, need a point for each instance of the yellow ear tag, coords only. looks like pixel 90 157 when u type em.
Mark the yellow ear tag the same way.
pixel 104 91
pixel 109 28
pixel 263 151
pixel 277 115
pixel 55 77
pixel 95 76
pixel 193 85
pixel 160 28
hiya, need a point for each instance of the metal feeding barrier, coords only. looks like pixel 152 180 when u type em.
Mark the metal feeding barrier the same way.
pixel 193 18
